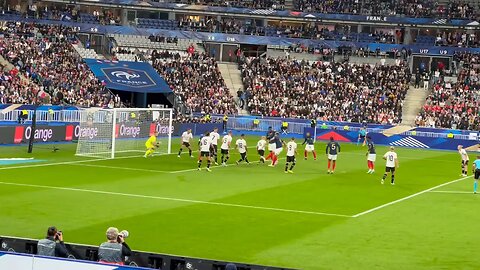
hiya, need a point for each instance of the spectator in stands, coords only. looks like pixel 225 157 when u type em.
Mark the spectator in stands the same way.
pixel 329 91
pixel 53 244
pixel 54 71
pixel 454 105
pixel 197 80
pixel 115 249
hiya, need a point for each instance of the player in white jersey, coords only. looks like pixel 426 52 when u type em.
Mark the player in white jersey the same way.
pixel 205 144
pixel 291 152
pixel 186 137
pixel 464 155
pixel 261 144
pixel 391 164
pixel 214 149
pixel 241 145
pixel 225 148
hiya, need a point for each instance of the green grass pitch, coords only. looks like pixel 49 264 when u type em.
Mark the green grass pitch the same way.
pixel 254 213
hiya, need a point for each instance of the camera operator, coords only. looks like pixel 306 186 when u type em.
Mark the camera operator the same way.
pixel 53 244
pixel 115 249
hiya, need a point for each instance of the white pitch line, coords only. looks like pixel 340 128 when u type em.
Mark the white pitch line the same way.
pixel 409 197
pixel 49 164
pixel 67 162
pixel 451 191
pixel 177 199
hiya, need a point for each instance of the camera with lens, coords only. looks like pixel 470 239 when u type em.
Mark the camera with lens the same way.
pixel 58 235
pixel 123 234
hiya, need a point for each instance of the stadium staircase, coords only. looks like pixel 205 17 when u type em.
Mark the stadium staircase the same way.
pixel 413 103
pixel 87 53
pixel 233 79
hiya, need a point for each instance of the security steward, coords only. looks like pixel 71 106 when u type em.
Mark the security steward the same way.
pixel 207 118
pixel 51 113
pixel 225 121
pixel 284 127
pixel 256 123
pixel 23 116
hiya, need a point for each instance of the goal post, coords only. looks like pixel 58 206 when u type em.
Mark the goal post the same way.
pixel 111 133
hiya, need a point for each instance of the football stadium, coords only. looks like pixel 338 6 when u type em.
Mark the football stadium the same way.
pixel 223 135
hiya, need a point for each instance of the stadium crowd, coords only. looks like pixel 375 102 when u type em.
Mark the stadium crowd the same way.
pixel 324 90
pixel 457 39
pixel 70 13
pixel 51 69
pixel 454 104
pixel 412 8
pixel 466 59
pixel 196 78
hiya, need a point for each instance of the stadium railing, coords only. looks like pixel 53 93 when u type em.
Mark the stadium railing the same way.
pixel 68 116
pixel 238 123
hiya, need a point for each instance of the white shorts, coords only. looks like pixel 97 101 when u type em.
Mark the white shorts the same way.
pixel 332 157
pixel 271 147
pixel 372 157
pixel 278 151
pixel 309 147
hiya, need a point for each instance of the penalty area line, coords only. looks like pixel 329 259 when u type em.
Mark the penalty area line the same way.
pixel 409 197
pixel 131 195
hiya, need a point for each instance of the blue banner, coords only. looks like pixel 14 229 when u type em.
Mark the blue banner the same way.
pixel 395 140
pixel 128 76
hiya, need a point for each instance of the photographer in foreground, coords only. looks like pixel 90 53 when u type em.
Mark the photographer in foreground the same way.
pixel 115 249
pixel 53 244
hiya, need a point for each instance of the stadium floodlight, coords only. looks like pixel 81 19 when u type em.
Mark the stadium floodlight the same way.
pixel 110 133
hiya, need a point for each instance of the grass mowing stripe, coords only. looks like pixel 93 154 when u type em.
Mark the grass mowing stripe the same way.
pixel 451 191
pixel 118 168
pixel 177 199
pixel 219 166
pixel 409 197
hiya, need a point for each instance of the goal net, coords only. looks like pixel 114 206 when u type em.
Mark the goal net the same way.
pixel 110 133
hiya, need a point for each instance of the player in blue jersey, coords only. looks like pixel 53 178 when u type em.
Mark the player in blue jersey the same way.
pixel 332 150
pixel 310 147
pixel 371 155
pixel 278 149
pixel 271 143
pixel 476 173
